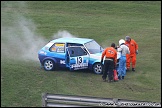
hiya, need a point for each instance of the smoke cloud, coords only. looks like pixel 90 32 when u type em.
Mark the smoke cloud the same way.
pixel 19 39
pixel 63 33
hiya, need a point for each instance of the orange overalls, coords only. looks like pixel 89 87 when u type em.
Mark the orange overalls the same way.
pixel 133 46
pixel 110 52
pixel 109 62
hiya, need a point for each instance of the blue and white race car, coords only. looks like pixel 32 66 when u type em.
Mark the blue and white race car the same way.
pixel 72 53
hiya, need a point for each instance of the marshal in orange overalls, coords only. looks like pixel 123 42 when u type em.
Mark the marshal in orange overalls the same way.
pixel 133 47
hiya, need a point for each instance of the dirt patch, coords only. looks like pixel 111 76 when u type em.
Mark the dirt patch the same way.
pixel 136 88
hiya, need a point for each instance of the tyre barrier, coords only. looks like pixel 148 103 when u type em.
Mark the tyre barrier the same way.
pixel 59 100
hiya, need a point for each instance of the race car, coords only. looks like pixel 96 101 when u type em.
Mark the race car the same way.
pixel 72 53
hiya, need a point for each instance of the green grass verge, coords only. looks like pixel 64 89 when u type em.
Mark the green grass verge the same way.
pixel 23 81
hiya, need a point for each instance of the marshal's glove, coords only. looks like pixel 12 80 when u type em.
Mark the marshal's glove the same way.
pixel 136 51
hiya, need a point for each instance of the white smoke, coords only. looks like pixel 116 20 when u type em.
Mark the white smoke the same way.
pixel 19 39
pixel 62 34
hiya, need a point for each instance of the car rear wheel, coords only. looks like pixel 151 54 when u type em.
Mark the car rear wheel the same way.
pixel 97 68
pixel 49 65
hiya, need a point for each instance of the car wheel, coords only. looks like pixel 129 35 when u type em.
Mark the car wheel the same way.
pixel 97 68
pixel 49 65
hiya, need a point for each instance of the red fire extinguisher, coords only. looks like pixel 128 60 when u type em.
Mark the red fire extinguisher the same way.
pixel 115 75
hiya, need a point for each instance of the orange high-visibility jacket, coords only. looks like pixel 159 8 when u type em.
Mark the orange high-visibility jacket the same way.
pixel 133 46
pixel 110 52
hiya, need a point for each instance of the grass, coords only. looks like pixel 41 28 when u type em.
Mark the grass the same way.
pixel 23 81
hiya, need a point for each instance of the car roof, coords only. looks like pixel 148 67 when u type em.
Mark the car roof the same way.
pixel 72 40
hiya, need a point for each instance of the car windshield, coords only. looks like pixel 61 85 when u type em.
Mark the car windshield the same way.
pixel 93 47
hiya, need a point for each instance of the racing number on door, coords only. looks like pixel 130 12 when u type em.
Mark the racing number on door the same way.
pixel 79 60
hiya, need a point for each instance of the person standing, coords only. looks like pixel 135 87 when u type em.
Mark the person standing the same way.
pixel 133 47
pixel 123 50
pixel 110 60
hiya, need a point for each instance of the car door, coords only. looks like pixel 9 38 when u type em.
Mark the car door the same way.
pixel 78 58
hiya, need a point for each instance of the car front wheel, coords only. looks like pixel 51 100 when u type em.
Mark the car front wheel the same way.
pixel 97 68
pixel 48 65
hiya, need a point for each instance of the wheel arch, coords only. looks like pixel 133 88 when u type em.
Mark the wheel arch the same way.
pixel 49 58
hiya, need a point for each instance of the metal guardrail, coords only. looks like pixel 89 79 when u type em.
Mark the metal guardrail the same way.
pixel 58 100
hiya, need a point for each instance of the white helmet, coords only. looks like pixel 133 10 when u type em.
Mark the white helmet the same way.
pixel 121 41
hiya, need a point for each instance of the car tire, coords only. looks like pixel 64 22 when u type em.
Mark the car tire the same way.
pixel 49 65
pixel 98 68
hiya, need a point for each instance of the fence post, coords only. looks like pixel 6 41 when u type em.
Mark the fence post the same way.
pixel 44 98
pixel 115 100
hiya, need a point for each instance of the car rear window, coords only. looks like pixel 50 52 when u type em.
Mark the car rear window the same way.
pixel 58 47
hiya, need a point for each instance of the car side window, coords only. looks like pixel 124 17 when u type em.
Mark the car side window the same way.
pixel 58 47
pixel 76 51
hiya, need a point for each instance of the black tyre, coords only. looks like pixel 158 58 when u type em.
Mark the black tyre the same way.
pixel 98 68
pixel 49 65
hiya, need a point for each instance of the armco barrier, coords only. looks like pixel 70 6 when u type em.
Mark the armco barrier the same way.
pixel 58 100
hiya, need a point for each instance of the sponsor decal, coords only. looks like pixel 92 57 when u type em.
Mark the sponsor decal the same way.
pixel 42 52
pixel 53 49
pixel 58 45
pixel 79 64
pixel 60 49
pixel 62 61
